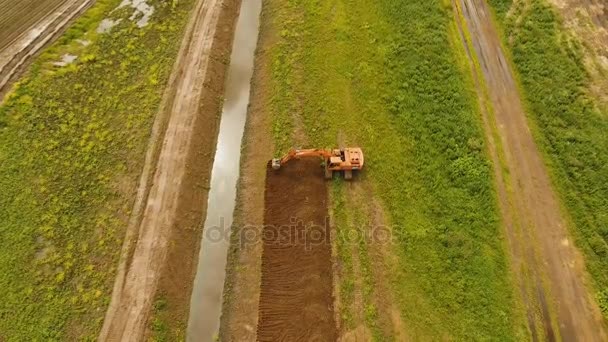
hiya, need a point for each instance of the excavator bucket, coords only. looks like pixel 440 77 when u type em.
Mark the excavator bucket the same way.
pixel 276 163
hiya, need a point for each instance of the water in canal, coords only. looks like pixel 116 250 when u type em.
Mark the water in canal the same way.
pixel 206 301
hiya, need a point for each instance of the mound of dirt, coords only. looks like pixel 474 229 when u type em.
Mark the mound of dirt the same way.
pixel 296 302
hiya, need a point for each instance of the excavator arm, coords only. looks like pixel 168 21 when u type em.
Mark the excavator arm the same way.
pixel 347 160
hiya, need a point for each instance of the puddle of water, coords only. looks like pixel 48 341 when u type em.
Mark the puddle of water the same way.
pixel 66 59
pixel 143 11
pixel 107 24
pixel 84 42
pixel 206 301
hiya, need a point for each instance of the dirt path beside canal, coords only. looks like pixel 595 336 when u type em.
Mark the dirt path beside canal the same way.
pixel 548 268
pixel 165 228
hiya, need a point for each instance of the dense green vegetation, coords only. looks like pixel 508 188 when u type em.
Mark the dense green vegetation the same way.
pixel 570 128
pixel 159 327
pixel 501 7
pixel 72 140
pixel 385 75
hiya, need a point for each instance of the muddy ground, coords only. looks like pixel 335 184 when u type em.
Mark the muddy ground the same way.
pixel 296 302
pixel 28 26
pixel 549 270
pixel 161 247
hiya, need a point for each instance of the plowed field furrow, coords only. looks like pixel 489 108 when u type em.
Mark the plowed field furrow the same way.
pixel 296 302
pixel 15 56
pixel 18 16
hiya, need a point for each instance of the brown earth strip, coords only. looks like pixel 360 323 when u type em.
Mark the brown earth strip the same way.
pixel 549 269
pixel 181 146
pixel 514 234
pixel 296 302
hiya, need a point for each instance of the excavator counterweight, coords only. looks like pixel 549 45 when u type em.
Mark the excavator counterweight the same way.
pixel 346 160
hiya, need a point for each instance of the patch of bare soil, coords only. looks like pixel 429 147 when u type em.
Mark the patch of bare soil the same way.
pixel 166 223
pixel 24 34
pixel 550 272
pixel 296 302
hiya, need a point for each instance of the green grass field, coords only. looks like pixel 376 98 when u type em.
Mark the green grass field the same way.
pixel 569 126
pixel 387 75
pixel 72 141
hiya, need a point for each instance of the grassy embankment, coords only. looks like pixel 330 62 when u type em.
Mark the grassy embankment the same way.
pixel 72 141
pixel 568 125
pixel 389 76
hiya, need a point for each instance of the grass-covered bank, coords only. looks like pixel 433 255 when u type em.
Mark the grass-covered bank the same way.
pixel 569 127
pixel 385 75
pixel 72 142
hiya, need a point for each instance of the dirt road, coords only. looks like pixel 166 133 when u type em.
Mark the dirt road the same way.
pixel 169 205
pixel 549 270
pixel 28 26
pixel 296 302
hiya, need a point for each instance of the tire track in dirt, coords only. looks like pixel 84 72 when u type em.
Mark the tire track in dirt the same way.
pixel 16 56
pixel 155 213
pixel 374 246
pixel 549 270
pixel 296 302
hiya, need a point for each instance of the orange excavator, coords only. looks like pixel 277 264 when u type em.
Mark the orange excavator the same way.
pixel 340 159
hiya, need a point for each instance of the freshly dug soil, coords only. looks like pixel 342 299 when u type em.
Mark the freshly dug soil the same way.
pixel 296 302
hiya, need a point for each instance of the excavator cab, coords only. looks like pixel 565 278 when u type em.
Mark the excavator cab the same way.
pixel 334 162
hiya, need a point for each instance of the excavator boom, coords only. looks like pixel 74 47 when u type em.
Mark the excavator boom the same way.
pixel 305 153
